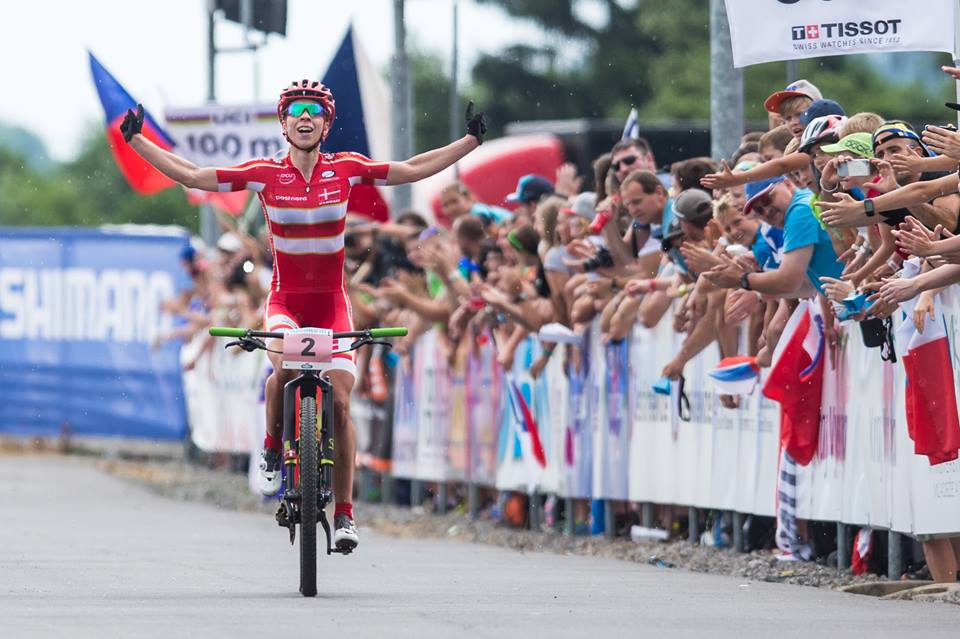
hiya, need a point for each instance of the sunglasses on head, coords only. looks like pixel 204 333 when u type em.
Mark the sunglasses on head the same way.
pixel 625 161
pixel 296 109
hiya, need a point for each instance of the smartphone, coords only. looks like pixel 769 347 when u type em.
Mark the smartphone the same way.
pixel 855 168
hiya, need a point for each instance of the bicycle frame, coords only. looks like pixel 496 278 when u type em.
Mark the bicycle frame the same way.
pixel 307 384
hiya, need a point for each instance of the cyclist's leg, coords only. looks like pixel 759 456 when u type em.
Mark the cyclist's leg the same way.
pixel 344 436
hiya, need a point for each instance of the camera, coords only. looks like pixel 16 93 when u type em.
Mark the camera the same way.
pixel 855 168
pixel 603 259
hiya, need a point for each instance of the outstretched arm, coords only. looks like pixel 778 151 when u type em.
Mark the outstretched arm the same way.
pixel 432 162
pixel 173 166
pixel 429 163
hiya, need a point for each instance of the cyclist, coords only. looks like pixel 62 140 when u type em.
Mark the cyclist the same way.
pixel 304 197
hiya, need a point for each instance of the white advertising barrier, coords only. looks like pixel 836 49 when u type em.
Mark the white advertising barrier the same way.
pixel 214 135
pixel 223 396
pixel 770 30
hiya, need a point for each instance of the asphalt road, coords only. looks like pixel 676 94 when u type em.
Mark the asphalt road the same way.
pixel 83 554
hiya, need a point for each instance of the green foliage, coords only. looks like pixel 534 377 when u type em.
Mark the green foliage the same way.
pixel 89 191
pixel 26 144
pixel 655 56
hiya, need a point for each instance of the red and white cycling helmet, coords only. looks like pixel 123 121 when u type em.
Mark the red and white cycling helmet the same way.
pixel 826 128
pixel 309 90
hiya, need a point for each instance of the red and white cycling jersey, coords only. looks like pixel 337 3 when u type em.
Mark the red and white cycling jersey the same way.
pixel 306 220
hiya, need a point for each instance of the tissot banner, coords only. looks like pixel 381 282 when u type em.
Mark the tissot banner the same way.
pixel 769 30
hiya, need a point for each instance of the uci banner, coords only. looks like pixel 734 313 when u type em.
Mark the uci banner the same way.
pixel 770 30
pixel 215 135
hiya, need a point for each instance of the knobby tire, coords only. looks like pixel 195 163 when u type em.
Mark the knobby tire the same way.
pixel 308 496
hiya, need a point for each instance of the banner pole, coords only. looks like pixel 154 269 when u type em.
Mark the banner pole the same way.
pixel 726 87
pixel 956 51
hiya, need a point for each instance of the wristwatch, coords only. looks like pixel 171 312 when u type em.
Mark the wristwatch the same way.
pixel 745 282
pixel 868 207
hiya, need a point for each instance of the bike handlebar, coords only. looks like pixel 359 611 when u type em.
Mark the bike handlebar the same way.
pixel 373 333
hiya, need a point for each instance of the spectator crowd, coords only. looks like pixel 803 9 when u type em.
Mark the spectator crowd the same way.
pixel 826 206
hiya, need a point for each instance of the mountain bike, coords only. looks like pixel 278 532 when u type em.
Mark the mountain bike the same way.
pixel 308 442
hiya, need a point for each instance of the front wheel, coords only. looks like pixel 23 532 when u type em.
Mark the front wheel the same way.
pixel 308 496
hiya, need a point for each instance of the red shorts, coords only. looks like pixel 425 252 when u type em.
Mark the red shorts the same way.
pixel 286 310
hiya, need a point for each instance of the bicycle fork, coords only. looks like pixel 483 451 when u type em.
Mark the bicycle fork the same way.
pixel 288 515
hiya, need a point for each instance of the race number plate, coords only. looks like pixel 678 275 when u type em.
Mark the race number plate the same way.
pixel 307 349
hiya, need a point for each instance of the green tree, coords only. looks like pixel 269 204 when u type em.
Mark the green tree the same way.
pixel 88 191
pixel 655 56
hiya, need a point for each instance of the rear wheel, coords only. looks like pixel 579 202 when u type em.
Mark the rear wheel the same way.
pixel 308 496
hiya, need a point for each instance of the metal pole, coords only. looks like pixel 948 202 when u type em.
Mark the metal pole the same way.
pixel 608 519
pixel 726 87
pixel 211 54
pixel 792 71
pixel 473 500
pixel 454 94
pixel 894 555
pixel 568 508
pixel 386 488
pixel 956 53
pixel 442 498
pixel 843 553
pixel 738 544
pixel 533 511
pixel 402 105
pixel 208 222
pixel 693 524
pixel 646 514
pixel 416 492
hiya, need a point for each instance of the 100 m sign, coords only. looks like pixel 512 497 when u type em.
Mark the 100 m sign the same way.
pixel 231 145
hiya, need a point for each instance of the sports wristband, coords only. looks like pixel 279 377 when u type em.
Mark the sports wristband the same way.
pixel 869 208
pixel 745 282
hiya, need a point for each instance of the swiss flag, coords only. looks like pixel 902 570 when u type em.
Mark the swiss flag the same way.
pixel 796 382
pixel 931 401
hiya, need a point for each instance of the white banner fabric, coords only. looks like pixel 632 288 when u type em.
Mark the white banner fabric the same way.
pixel 771 30
pixel 225 135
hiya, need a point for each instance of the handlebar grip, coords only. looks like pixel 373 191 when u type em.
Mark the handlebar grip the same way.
pixel 223 331
pixel 396 331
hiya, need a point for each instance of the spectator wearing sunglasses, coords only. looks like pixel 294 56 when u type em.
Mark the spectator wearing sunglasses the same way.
pixel 807 249
pixel 631 155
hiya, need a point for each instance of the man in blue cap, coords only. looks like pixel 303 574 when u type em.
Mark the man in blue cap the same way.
pixel 531 188
pixel 807 249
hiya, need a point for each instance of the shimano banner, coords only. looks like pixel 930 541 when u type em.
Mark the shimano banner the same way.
pixel 79 326
pixel 769 30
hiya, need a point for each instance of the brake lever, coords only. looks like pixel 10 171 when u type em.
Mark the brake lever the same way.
pixel 248 344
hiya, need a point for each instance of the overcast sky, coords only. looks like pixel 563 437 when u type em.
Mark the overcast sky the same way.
pixel 157 50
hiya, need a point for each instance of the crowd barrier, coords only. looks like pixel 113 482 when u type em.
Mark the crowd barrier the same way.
pixel 594 428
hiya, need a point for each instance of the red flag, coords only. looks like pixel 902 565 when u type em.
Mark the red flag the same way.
pixel 232 202
pixel 140 175
pixel 931 401
pixel 796 382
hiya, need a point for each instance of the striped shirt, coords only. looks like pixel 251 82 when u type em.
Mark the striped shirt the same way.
pixel 306 220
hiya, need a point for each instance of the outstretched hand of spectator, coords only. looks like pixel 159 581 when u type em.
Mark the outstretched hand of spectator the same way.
pixel 925 306
pixel 942 141
pixel 567 182
pixel 835 289
pixel 953 72
pixel 727 274
pixel 843 212
pixel 722 179
pixel 916 239
pixel 895 290
pixel 906 163
pixel 740 305
pixel 392 290
pixel 636 288
pixel 699 259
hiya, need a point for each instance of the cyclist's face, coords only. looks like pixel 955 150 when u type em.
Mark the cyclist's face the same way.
pixel 304 130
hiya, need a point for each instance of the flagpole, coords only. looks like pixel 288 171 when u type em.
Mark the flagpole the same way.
pixel 402 105
pixel 956 50
pixel 454 96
